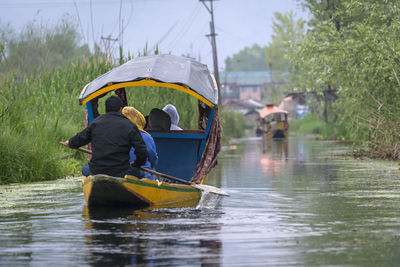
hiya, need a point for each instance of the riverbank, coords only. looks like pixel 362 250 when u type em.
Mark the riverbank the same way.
pixel 316 128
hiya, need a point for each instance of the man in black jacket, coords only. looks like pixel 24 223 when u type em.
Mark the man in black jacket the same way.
pixel 112 136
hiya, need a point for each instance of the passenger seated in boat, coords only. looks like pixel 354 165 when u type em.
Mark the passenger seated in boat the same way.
pixel 158 120
pixel 173 114
pixel 139 120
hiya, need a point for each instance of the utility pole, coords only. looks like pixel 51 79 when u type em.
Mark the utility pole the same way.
pixel 107 45
pixel 213 44
pixel 121 34
pixel 121 42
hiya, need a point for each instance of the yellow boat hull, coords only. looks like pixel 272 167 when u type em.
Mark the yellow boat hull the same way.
pixel 277 131
pixel 104 190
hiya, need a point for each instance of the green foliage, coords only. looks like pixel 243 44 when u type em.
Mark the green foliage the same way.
pixel 287 32
pixel 314 125
pixel 39 47
pixel 353 49
pixel 232 124
pixel 145 99
pixel 35 114
pixel 248 59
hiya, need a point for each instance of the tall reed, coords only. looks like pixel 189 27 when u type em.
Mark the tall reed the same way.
pixel 35 113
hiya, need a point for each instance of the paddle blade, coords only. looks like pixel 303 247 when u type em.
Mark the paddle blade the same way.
pixel 210 189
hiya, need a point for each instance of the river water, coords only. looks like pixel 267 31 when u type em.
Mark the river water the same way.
pixel 301 203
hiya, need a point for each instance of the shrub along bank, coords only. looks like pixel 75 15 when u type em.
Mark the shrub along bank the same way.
pixel 350 52
pixel 35 113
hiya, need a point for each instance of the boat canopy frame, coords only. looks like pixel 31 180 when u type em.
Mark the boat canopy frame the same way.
pixel 180 73
pixel 270 110
pixel 145 83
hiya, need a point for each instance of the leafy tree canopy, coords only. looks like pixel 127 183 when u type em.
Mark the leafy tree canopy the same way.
pixel 40 47
pixel 352 48
pixel 287 32
pixel 248 59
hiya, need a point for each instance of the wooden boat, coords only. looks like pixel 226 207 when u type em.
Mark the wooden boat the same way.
pixel 272 122
pixel 185 154
pixel 104 190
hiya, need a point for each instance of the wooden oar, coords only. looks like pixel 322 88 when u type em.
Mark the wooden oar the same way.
pixel 203 187
pixel 79 148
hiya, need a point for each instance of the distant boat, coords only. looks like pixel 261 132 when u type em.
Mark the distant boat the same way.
pixel 272 122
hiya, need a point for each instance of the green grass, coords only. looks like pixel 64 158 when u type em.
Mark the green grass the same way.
pixel 36 113
pixel 313 125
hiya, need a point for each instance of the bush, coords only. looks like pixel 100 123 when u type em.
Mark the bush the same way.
pixel 36 113
pixel 312 124
pixel 232 124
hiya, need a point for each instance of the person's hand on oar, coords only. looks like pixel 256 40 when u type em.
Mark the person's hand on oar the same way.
pixel 65 143
pixel 79 148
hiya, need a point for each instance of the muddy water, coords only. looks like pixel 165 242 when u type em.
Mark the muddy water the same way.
pixel 302 203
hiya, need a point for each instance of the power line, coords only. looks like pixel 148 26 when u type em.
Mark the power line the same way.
pixel 232 35
pixel 91 20
pixel 107 46
pixel 79 19
pixel 25 4
pixel 163 37
pixel 186 26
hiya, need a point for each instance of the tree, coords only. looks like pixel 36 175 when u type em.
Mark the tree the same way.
pixel 39 47
pixel 287 32
pixel 248 59
pixel 353 49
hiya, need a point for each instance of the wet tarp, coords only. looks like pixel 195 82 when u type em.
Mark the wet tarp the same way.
pixel 161 68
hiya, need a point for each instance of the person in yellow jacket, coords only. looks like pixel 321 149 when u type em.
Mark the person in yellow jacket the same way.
pixel 138 119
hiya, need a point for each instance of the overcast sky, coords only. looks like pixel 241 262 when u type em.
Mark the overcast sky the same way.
pixel 178 26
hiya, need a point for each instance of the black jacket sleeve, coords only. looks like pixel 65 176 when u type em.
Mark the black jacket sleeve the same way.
pixel 137 142
pixel 80 139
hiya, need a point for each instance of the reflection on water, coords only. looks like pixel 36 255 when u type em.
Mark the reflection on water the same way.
pixel 304 203
pixel 276 158
pixel 301 203
pixel 168 236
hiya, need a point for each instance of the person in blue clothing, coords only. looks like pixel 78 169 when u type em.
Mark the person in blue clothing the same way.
pixel 138 119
